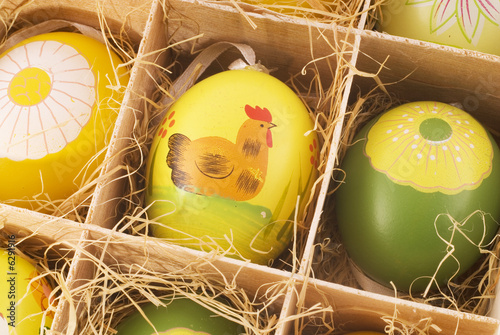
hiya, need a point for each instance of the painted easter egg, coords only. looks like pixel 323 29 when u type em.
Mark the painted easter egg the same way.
pixel 58 106
pixel 24 302
pixel 178 317
pixel 230 162
pixel 421 195
pixel 464 24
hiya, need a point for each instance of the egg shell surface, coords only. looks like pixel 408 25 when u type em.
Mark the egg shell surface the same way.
pixel 470 25
pixel 229 161
pixel 22 304
pixel 418 179
pixel 178 317
pixel 58 113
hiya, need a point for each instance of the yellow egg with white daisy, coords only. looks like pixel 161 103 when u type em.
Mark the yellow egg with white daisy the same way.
pixel 60 94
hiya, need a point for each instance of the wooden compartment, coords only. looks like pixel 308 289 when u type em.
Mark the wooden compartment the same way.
pixel 282 52
pixel 411 70
pixel 125 23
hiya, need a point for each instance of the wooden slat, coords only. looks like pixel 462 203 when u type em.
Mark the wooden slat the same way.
pixel 127 15
pixel 356 309
pixel 284 44
pixel 108 191
pixel 433 72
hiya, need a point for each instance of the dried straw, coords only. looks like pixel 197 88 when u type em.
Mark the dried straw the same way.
pixel 120 288
pixel 343 13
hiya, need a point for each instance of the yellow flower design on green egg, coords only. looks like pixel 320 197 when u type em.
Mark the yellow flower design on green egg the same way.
pixel 430 146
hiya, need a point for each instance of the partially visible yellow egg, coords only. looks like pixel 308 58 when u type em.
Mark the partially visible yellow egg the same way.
pixel 232 160
pixel 60 94
pixel 23 302
pixel 471 25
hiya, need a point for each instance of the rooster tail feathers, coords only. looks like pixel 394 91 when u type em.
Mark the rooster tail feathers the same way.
pixel 178 145
pixel 257 113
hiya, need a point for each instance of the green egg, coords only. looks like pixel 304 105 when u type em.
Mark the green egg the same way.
pixel 178 317
pixel 421 195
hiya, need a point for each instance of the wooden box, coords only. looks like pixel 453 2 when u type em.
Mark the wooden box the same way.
pixel 347 59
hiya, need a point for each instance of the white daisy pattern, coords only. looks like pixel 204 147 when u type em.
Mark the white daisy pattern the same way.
pixel 47 95
pixel 430 146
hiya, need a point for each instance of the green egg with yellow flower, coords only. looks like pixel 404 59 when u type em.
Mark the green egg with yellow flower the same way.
pixel 421 195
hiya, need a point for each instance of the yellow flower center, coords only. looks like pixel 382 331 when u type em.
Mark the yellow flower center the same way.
pixel 30 86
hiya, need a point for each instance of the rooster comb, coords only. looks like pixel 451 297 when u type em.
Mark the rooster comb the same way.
pixel 257 113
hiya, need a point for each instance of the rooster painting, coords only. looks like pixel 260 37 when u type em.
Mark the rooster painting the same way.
pixel 216 166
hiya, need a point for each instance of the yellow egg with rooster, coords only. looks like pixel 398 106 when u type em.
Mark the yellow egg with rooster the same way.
pixel 233 159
